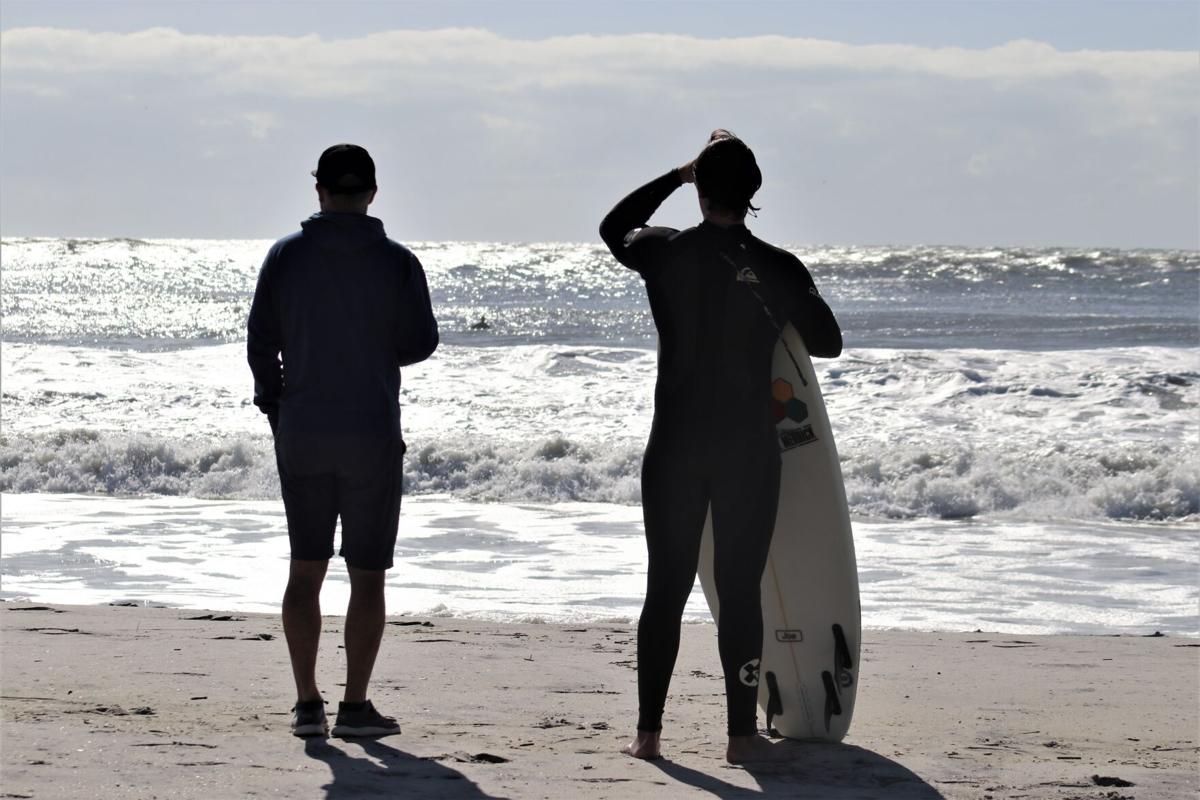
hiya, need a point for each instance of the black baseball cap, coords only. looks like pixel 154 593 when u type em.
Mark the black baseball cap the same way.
pixel 345 169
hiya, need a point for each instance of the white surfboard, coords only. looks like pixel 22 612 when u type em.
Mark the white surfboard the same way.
pixel 808 675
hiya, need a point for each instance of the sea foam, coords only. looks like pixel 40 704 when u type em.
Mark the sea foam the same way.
pixel 1130 481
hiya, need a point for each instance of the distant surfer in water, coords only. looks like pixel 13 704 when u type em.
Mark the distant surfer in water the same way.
pixel 345 307
pixel 718 296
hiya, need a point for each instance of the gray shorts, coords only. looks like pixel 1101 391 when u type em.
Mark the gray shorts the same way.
pixel 358 477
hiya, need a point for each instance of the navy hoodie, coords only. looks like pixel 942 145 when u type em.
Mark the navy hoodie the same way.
pixel 345 307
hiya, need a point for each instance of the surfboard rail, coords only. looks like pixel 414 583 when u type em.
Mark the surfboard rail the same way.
pixel 812 625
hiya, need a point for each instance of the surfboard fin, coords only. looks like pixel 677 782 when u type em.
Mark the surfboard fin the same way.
pixel 774 703
pixel 832 704
pixel 841 677
pixel 843 664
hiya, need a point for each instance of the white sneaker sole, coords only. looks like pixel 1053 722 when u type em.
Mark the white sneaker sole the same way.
pixel 351 731
pixel 312 729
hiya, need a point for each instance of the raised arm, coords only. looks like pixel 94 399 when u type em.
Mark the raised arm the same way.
pixel 624 229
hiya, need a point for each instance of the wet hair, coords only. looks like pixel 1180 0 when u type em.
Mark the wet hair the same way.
pixel 727 174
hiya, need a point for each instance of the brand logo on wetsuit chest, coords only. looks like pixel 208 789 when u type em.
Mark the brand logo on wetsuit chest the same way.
pixel 746 275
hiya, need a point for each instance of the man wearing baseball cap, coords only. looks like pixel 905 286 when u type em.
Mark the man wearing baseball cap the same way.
pixel 338 309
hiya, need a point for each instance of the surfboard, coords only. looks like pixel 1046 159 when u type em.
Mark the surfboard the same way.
pixel 808 675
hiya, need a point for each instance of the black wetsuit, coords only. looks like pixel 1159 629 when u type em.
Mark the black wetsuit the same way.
pixel 717 294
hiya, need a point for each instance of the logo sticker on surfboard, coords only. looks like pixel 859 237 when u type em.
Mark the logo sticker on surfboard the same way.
pixel 789 635
pixel 796 437
pixel 748 674
pixel 789 411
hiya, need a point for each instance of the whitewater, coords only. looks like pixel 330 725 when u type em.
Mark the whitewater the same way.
pixel 1018 432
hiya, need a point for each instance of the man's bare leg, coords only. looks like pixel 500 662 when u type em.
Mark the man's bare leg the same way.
pixel 302 624
pixel 647 746
pixel 364 629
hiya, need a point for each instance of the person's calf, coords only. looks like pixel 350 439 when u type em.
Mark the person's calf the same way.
pixel 365 619
pixel 302 625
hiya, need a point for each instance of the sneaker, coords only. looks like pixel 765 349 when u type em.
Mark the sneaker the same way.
pixel 363 721
pixel 308 719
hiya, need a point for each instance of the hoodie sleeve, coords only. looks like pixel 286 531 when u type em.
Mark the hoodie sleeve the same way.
pixel 416 327
pixel 264 343
pixel 624 228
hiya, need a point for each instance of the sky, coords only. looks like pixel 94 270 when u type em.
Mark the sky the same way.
pixel 970 122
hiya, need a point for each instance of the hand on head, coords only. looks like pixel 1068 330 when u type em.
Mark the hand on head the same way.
pixel 687 173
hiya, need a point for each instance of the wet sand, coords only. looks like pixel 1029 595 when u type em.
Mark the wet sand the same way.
pixel 142 702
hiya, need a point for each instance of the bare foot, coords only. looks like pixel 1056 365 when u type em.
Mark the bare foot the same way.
pixel 749 749
pixel 645 746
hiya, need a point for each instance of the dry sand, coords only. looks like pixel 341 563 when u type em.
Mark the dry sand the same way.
pixel 135 702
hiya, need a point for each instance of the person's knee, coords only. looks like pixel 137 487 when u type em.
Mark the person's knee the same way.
pixel 305 579
pixel 740 600
pixel 366 581
pixel 668 592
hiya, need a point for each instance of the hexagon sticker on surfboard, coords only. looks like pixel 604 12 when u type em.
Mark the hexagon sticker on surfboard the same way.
pixel 790 413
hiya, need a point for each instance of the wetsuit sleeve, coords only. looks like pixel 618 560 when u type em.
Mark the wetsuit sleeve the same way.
pixel 264 343
pixel 813 318
pixel 625 232
pixel 417 329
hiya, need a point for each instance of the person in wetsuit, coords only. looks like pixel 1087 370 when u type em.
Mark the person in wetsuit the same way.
pixel 339 308
pixel 719 297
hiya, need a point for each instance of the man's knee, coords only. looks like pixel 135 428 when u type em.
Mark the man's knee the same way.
pixel 739 596
pixel 306 577
pixel 668 597
pixel 366 580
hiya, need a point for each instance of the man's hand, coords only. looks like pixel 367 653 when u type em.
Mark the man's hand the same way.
pixel 687 173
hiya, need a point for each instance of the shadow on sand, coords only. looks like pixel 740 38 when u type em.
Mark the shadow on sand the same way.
pixel 384 771
pixel 815 772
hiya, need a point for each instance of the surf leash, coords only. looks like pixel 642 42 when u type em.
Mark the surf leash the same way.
pixel 738 272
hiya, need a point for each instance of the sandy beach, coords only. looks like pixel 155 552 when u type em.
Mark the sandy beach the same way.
pixel 145 702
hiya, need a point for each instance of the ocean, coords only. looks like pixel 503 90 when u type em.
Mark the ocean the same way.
pixel 1018 431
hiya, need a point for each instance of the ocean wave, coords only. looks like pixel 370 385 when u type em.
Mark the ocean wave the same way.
pixel 171 293
pixel 1129 481
pixel 931 263
pixel 1126 481
pixel 90 462
pixel 551 470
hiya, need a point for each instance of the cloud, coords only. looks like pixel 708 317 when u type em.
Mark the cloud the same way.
pixel 905 143
pixel 259 123
pixel 371 66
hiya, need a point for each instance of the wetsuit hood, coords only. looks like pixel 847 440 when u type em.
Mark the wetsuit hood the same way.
pixel 343 231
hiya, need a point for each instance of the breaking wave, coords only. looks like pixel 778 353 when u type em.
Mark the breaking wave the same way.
pixel 1122 482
